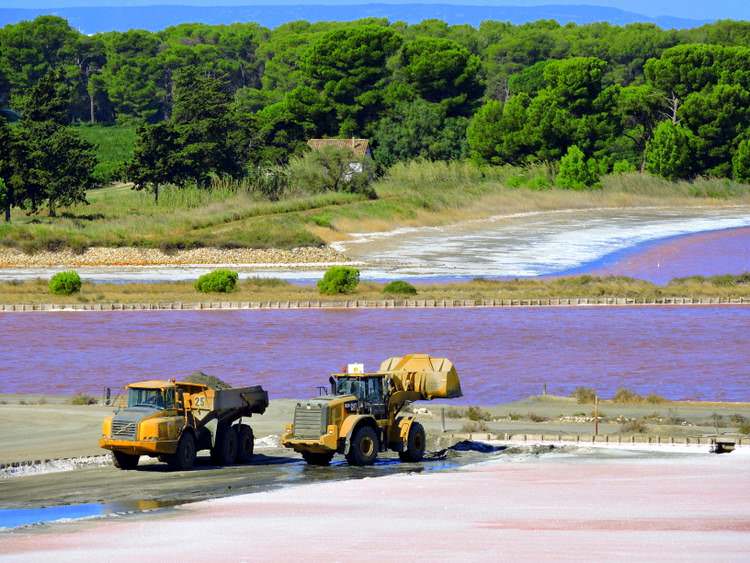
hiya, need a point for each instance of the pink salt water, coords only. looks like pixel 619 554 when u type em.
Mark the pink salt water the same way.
pixel 710 253
pixel 501 354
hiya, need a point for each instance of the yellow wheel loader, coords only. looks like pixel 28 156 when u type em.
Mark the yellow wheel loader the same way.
pixel 360 417
pixel 174 420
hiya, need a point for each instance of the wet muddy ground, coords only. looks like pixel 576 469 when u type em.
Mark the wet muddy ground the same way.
pixel 103 489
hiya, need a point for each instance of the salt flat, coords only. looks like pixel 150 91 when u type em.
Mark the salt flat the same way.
pixel 670 507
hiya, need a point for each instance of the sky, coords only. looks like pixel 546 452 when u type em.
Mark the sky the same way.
pixel 694 9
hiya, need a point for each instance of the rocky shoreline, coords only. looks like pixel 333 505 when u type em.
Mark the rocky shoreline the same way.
pixel 125 256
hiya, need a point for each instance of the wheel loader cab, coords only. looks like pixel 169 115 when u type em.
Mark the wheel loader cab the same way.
pixel 369 390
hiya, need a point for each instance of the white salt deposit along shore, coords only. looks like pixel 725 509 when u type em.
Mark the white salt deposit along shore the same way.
pixel 668 507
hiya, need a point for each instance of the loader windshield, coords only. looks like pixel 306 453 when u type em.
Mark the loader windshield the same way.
pixel 349 386
pixel 154 398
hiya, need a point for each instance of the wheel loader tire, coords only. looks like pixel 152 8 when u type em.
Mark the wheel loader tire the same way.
pixel 224 451
pixel 415 444
pixel 125 461
pixel 318 459
pixel 364 447
pixel 184 458
pixel 245 444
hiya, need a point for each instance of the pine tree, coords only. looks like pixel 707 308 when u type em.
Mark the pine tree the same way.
pixel 741 162
pixel 670 152
pixel 577 173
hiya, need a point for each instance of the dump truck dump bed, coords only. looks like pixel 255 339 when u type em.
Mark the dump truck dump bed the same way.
pixel 253 398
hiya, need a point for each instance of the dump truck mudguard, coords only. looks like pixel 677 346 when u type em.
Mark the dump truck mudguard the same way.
pixel 351 423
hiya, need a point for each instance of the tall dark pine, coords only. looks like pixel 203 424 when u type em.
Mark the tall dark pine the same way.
pixel 201 118
pixel 155 158
pixel 51 164
pixel 6 168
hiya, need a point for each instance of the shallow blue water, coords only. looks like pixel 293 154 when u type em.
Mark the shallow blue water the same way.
pixel 16 517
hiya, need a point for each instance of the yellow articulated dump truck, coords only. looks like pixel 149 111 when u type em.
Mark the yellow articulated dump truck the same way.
pixel 360 417
pixel 173 420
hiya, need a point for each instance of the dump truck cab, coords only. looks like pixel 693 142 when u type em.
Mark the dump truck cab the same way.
pixel 173 420
pixel 361 415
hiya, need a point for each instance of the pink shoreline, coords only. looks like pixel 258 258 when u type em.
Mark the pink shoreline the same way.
pixel 678 508
pixel 710 253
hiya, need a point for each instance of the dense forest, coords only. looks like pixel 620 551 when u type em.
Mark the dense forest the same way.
pixel 599 97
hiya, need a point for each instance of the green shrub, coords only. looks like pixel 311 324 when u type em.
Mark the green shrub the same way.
pixel 453 412
pixel 718 420
pixel 83 399
pixel 655 399
pixel 474 426
pixel 272 182
pixel 577 173
pixel 65 283
pixel 339 279
pixel 670 152
pixel 741 162
pixel 675 420
pixel 744 428
pixel 331 169
pixel 257 282
pixel 476 414
pixel 626 396
pixel 633 427
pixel 218 281
pixel 584 395
pixel 400 287
pixel 533 417
pixel 623 167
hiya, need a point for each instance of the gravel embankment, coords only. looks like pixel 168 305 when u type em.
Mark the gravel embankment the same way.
pixel 100 256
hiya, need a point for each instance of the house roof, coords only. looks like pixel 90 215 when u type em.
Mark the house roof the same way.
pixel 359 147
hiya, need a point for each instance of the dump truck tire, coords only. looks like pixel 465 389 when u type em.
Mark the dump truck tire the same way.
pixel 415 444
pixel 184 458
pixel 225 449
pixel 364 447
pixel 317 458
pixel 246 444
pixel 125 461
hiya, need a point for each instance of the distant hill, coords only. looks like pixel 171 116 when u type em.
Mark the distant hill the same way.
pixel 154 18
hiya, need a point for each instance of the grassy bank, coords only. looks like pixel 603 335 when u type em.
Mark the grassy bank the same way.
pixel 114 147
pixel 34 292
pixel 418 193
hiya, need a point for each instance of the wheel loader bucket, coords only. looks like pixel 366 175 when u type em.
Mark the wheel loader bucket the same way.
pixel 434 378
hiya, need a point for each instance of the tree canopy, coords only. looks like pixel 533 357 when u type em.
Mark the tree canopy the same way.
pixel 241 94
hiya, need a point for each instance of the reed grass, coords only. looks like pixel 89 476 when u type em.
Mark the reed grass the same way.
pixel 235 213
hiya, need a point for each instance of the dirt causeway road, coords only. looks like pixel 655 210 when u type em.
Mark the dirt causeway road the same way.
pixel 153 485
pixel 54 430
